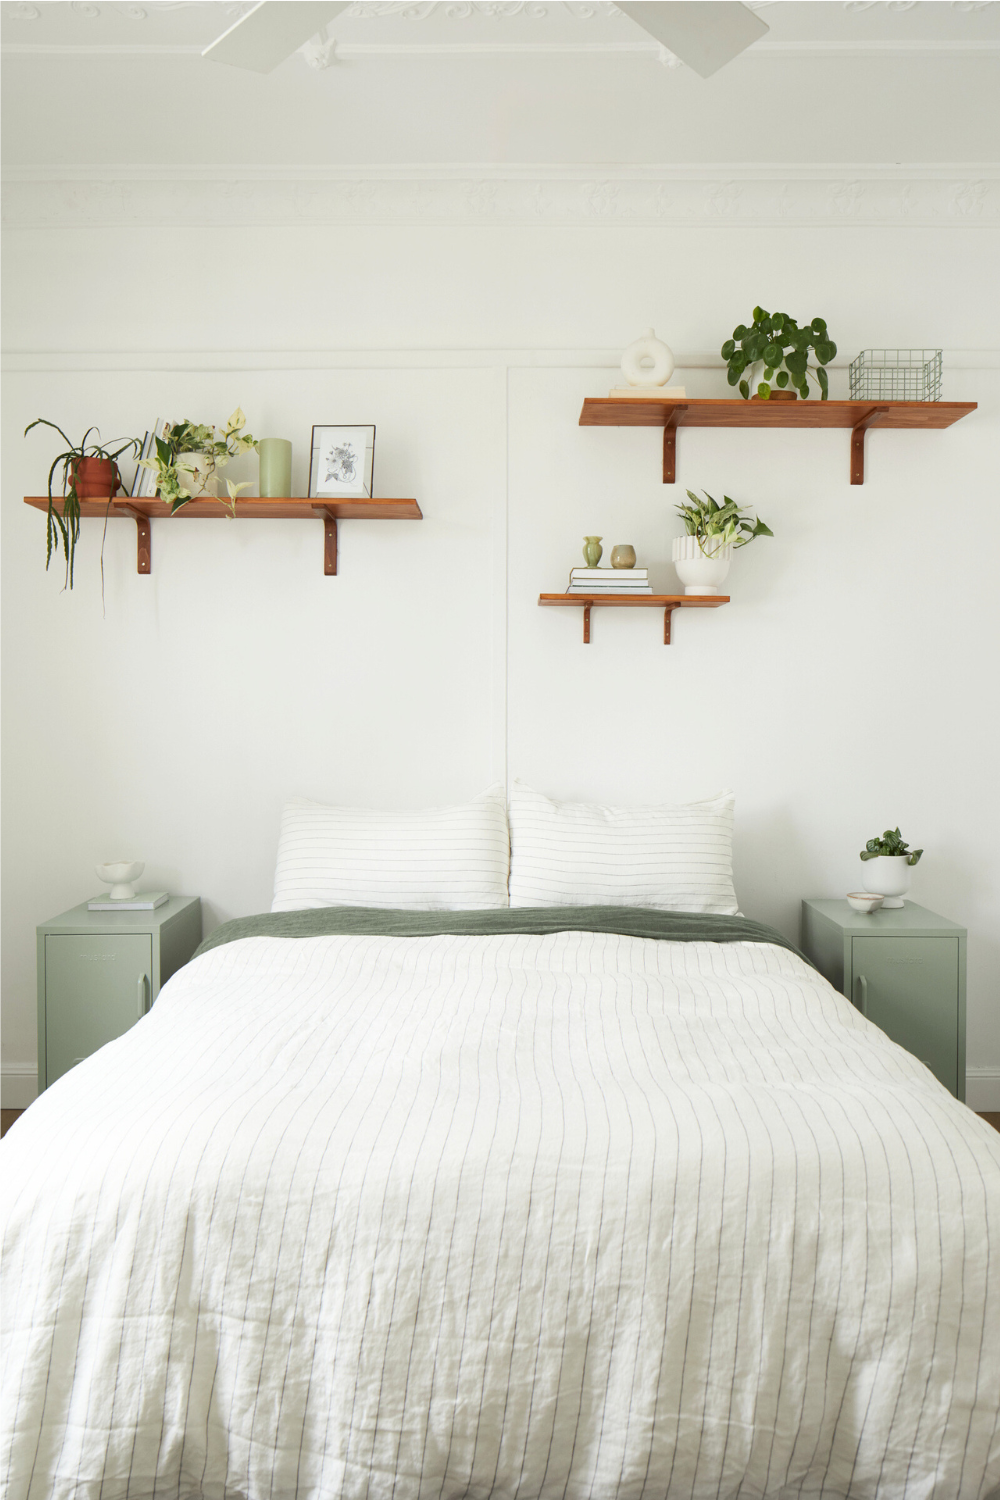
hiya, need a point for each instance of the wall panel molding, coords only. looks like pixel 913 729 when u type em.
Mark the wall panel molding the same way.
pixel 40 362
pixel 961 195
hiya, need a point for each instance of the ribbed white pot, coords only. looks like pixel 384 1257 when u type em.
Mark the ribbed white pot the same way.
pixel 701 572
pixel 887 875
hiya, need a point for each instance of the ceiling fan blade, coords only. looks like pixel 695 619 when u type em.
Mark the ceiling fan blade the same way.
pixel 270 32
pixel 705 34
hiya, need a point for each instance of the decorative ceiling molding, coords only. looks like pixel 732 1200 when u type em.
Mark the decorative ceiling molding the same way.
pixel 960 195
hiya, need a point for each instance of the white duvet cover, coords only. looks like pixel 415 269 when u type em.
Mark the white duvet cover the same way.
pixel 577 1216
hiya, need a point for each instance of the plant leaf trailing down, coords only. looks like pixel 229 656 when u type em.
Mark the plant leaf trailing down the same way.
pixel 775 341
pixel 716 526
pixel 67 526
pixel 176 463
pixel 890 843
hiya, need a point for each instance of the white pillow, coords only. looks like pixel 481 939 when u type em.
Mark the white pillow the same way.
pixel 441 859
pixel 574 854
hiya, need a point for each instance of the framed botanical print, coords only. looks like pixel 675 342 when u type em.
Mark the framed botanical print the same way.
pixel 342 462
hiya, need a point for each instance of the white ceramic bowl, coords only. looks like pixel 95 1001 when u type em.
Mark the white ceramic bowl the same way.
pixel 864 902
pixel 121 875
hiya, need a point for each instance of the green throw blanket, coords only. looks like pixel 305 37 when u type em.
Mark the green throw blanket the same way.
pixel 630 921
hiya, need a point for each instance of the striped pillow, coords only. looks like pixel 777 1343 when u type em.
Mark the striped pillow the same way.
pixel 573 854
pixel 441 859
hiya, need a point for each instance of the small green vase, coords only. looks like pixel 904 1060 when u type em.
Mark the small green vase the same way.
pixel 592 551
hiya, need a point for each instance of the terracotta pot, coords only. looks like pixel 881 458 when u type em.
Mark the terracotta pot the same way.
pixel 777 395
pixel 96 478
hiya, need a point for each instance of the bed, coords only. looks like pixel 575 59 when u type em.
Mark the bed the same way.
pixel 582 1203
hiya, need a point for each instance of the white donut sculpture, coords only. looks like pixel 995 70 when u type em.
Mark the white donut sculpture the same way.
pixel 649 347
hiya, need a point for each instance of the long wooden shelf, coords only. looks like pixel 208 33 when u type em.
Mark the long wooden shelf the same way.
pixel 144 510
pixel 670 414
pixel 667 602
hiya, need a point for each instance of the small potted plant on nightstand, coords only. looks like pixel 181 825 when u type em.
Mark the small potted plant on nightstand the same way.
pixel 702 557
pixel 888 861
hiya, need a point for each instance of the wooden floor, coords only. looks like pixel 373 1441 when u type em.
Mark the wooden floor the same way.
pixel 8 1116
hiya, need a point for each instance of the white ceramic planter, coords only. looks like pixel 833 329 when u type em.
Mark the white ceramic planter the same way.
pixel 701 572
pixel 887 875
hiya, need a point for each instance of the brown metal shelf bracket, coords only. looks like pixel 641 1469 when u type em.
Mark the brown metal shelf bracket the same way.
pixel 858 442
pixel 329 543
pixel 670 442
pixel 144 538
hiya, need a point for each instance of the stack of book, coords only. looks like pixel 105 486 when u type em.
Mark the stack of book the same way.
pixel 144 483
pixel 609 581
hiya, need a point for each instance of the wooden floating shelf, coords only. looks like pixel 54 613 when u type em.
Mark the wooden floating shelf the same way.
pixel 667 602
pixel 670 414
pixel 144 510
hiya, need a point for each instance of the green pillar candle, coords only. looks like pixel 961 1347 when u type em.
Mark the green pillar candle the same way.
pixel 275 456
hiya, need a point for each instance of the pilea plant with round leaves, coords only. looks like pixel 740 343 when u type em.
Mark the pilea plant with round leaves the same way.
pixel 776 344
pixel 890 844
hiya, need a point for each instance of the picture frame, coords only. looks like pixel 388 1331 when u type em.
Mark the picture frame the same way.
pixel 342 461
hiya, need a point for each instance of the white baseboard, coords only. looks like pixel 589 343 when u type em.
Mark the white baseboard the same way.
pixel 18 1086
pixel 982 1089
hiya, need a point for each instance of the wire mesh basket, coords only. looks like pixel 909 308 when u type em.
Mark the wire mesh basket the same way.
pixel 896 375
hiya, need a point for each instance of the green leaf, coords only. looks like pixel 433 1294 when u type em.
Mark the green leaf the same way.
pixel 740 331
pixel 768 372
pixel 759 314
pixel 782 379
pixel 744 390
pixel 914 857
pixel 797 362
pixel 824 381
pixel 761 530
pixel 774 354
pixel 728 348
pixel 869 853
pixel 732 374
pixel 764 391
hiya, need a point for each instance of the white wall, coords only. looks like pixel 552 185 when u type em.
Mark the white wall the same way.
pixel 849 685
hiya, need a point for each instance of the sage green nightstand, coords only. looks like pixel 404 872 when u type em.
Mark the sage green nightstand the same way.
pixel 904 970
pixel 99 972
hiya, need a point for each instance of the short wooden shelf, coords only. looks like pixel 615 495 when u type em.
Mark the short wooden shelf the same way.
pixel 667 602
pixel 144 510
pixel 857 415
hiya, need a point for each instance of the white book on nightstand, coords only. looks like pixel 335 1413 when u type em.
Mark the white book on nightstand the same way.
pixel 144 901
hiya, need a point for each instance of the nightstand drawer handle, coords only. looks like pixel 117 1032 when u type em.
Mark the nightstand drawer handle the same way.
pixel 862 981
pixel 142 1006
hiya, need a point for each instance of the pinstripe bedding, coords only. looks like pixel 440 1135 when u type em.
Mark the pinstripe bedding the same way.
pixel 567 1214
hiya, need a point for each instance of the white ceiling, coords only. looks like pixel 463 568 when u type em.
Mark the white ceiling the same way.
pixel 557 81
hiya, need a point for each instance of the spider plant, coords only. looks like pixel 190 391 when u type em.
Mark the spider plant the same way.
pixel 66 526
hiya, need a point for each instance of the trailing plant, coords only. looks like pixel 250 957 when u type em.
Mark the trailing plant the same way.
pixel 777 343
pixel 720 525
pixel 180 476
pixel 890 844
pixel 66 527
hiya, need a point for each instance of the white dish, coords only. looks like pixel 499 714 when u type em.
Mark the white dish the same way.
pixel 864 902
